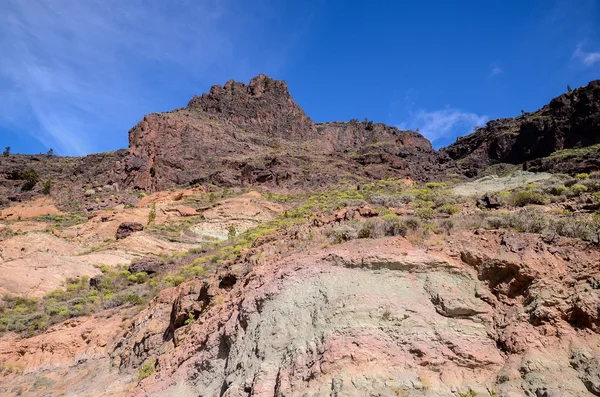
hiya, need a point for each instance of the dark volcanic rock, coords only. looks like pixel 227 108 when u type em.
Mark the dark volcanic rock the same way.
pixel 489 201
pixel 127 228
pixel 71 177
pixel 571 120
pixel 256 134
pixel 148 265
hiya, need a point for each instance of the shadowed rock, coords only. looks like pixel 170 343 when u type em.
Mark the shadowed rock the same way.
pixel 127 228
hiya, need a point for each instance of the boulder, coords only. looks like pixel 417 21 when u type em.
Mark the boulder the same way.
pixel 126 228
pixel 147 265
pixel 489 201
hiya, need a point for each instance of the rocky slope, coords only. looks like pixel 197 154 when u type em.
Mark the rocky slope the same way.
pixel 493 312
pixel 240 249
pixel 570 121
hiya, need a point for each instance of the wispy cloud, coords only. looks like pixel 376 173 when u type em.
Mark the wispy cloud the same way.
pixel 81 72
pixel 496 71
pixel 588 58
pixel 445 123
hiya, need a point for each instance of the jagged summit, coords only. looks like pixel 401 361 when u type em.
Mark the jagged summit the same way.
pixel 264 104
pixel 245 134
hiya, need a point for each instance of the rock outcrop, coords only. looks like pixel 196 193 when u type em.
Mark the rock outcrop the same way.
pixel 491 312
pixel 569 121
pixel 255 134
pixel 126 229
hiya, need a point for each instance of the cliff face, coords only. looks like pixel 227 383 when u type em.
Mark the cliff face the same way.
pixel 571 120
pixel 253 134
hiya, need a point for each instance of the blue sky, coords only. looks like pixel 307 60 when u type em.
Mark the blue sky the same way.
pixel 77 75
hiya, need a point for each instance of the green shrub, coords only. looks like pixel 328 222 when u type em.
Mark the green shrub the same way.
pixel 425 204
pixel 31 179
pixel 395 227
pixel 174 280
pixel 47 186
pixel 367 230
pixel 152 214
pixel 138 278
pixel 134 299
pixel 231 232
pixel 390 217
pixel 435 185
pixel 583 175
pixel 449 209
pixel 469 393
pixel 578 189
pixel 192 270
pixel 412 223
pixel 529 197
pixel 190 319
pixel 146 370
pixel 558 190
pixel 425 213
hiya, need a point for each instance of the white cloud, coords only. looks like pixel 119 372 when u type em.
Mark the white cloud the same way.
pixel 496 71
pixel 588 58
pixel 444 123
pixel 74 72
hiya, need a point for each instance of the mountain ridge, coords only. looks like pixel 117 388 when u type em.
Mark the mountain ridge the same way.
pixel 570 120
pixel 251 134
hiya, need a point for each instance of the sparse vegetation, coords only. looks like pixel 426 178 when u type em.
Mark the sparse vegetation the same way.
pixel 147 369
pixel 231 232
pixel 78 297
pixel 468 393
pixel 152 214
pixel 63 220
pixel 528 197
pixel 6 151
pixel 47 186
pixel 578 189
pixel 31 178
pixel 576 151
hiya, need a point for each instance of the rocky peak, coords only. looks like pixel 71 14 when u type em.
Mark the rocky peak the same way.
pixel 238 134
pixel 265 104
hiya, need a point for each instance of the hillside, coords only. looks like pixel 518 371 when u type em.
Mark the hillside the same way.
pixel 238 248
pixel 559 137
